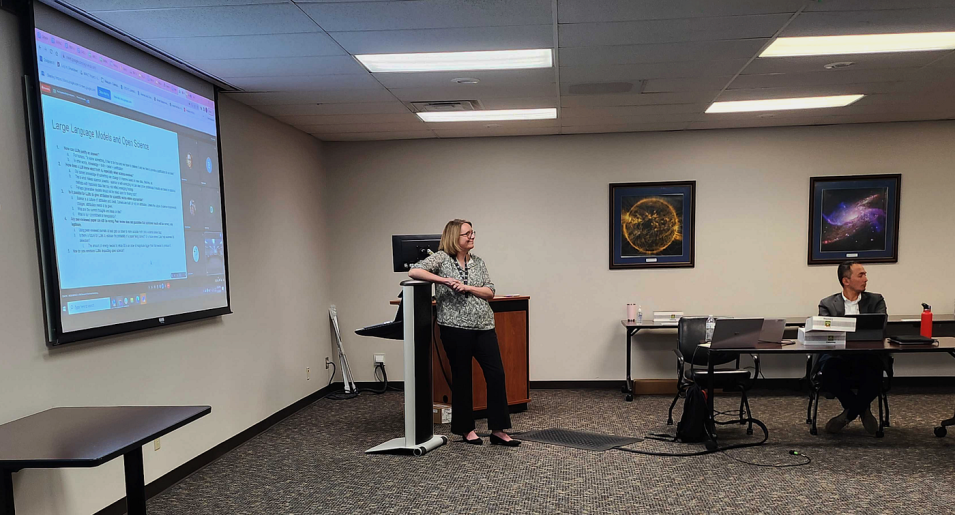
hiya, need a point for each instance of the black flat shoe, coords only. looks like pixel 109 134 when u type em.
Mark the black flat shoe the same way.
pixel 476 441
pixel 496 440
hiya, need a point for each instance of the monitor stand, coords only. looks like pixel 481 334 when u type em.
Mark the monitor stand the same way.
pixel 419 435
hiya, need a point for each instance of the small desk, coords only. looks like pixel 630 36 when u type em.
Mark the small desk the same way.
pixel 633 327
pixel 945 344
pixel 88 437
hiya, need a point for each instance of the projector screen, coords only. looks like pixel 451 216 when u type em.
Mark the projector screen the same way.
pixel 132 227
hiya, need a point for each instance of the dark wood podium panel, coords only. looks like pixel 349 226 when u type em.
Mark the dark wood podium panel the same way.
pixel 510 323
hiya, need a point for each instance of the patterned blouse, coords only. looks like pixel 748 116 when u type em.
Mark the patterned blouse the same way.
pixel 460 310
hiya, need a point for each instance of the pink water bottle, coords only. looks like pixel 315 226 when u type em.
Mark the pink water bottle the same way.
pixel 926 321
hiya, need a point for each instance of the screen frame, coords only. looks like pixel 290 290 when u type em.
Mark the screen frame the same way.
pixel 39 177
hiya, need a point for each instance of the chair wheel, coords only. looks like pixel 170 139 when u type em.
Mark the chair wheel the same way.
pixel 624 389
pixel 629 398
pixel 669 422
pixel 940 432
pixel 813 431
pixel 809 421
pixel 710 445
pixel 879 434
pixel 749 431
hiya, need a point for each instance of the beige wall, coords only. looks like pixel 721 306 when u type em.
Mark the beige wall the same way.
pixel 540 206
pixel 247 365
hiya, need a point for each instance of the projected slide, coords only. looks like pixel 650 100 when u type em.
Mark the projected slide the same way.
pixel 134 190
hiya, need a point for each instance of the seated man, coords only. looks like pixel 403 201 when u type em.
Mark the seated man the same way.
pixel 841 372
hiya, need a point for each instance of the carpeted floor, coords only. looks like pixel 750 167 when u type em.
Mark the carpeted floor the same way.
pixel 313 463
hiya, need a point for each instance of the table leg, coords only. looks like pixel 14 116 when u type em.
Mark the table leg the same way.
pixel 628 386
pixel 6 492
pixel 135 482
pixel 711 417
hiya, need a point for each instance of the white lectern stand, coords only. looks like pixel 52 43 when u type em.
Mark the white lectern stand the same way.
pixel 419 435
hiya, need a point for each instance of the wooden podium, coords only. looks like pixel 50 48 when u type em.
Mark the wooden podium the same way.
pixel 510 323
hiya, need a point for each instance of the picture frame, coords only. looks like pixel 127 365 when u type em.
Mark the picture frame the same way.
pixel 854 217
pixel 652 225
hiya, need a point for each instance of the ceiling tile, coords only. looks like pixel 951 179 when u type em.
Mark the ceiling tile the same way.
pixel 826 77
pixel 375 136
pixel 280 67
pixel 609 113
pixel 662 53
pixel 630 120
pixel 211 21
pixel 637 72
pixel 364 127
pixel 870 5
pixel 862 62
pixel 632 127
pixel 126 5
pixel 669 31
pixel 683 97
pixel 306 44
pixel 428 14
pixel 693 84
pixel 333 109
pixel 358 83
pixel 446 40
pixel 948 61
pixel 584 11
pixel 520 102
pixel 337 119
pixel 871 22
pixel 757 122
pixel 313 97
pixel 487 78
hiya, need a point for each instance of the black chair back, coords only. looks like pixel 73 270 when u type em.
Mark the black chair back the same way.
pixel 690 332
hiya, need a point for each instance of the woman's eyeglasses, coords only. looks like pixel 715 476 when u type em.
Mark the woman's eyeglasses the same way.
pixel 469 234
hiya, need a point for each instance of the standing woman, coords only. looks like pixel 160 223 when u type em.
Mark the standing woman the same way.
pixel 462 289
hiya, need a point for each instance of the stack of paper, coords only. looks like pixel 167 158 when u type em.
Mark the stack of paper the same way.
pixel 833 339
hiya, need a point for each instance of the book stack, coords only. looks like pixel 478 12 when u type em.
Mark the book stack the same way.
pixel 828 332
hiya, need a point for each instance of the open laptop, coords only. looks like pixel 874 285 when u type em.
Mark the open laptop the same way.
pixel 772 331
pixel 869 326
pixel 736 333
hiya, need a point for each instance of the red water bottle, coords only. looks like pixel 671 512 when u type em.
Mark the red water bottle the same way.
pixel 926 321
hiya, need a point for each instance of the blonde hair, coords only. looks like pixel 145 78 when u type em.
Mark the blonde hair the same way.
pixel 450 236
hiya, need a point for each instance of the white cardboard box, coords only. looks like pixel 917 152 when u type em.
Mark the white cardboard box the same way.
pixel 837 324
pixel 441 413
pixel 821 338
pixel 667 317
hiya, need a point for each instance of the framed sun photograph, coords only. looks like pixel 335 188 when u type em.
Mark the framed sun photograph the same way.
pixel 854 217
pixel 652 224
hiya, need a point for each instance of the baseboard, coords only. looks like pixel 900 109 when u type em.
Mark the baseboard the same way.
pixel 640 386
pixel 181 472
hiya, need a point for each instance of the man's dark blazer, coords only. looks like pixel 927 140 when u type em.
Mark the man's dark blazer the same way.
pixel 834 306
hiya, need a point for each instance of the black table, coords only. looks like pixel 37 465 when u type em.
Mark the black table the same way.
pixel 898 325
pixel 88 437
pixel 945 344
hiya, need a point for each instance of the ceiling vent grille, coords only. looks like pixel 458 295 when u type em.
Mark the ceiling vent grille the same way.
pixel 445 106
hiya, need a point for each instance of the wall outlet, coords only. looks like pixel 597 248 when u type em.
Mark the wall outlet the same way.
pixel 328 362
pixel 156 444
pixel 379 358
pixel 308 374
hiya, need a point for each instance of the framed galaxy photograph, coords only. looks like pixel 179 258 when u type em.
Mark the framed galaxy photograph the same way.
pixel 854 217
pixel 652 224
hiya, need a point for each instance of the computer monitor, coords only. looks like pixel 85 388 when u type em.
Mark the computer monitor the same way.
pixel 869 326
pixel 408 249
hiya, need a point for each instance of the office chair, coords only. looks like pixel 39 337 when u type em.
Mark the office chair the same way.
pixel 815 390
pixel 690 332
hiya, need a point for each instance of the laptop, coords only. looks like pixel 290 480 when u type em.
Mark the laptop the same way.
pixel 869 326
pixel 736 333
pixel 772 331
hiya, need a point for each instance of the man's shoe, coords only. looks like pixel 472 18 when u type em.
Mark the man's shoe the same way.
pixel 837 423
pixel 869 422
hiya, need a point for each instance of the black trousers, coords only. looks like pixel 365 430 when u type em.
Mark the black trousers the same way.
pixel 840 374
pixel 461 345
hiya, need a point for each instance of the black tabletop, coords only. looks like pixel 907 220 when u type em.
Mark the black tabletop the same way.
pixel 945 344
pixel 87 436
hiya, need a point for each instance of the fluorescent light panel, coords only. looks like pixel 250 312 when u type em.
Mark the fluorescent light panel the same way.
pixel 547 113
pixel 458 61
pixel 781 104
pixel 860 44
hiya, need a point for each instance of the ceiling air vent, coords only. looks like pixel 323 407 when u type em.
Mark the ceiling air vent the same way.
pixel 445 106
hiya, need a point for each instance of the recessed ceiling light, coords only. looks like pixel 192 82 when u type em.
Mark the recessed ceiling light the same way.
pixel 455 61
pixel 780 104
pixel 465 80
pixel 839 65
pixel 487 116
pixel 860 44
